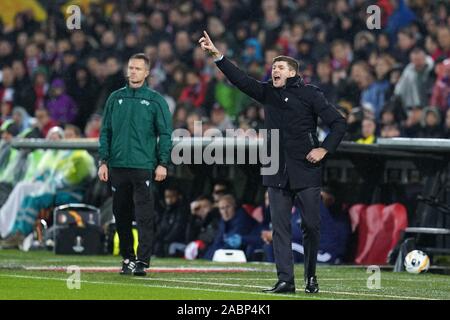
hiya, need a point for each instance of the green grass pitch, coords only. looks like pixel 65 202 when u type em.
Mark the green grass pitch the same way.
pixel 22 277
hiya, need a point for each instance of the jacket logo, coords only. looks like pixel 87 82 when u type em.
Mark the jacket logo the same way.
pixel 286 99
pixel 145 102
pixel 120 101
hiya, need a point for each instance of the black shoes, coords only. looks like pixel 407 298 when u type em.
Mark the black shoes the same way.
pixel 139 270
pixel 286 287
pixel 281 287
pixel 311 285
pixel 128 267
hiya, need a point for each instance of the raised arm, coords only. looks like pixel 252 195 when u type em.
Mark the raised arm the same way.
pixel 239 78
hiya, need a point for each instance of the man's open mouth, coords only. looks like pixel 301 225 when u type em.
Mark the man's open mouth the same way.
pixel 276 78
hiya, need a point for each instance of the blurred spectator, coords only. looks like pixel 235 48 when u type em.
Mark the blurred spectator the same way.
pixel 364 45
pixel 192 119
pixel 131 46
pixel 235 228
pixel 180 116
pixel 388 116
pixel 324 79
pixel 252 52
pixel 443 37
pixel 7 90
pixel 92 129
pixel 414 83
pixel 219 119
pixel 23 91
pixel 368 131
pixel 171 224
pixel 335 230
pixel 6 52
pixel 40 88
pixel 220 188
pixel 43 121
pixel 80 43
pixel 372 92
pixel 61 106
pixel 412 124
pixel 84 92
pixel 441 89
pixel 341 55
pixel 184 48
pixel 401 16
pixel 354 121
pixel 250 118
pixel 406 41
pixel 21 118
pixel 65 183
pixel 179 81
pixel 221 91
pixel 201 228
pixel 390 130
pixel 157 23
pixel 33 57
pixel 195 90
pixel 115 79
pixel 8 131
pixel 447 125
pixel 431 124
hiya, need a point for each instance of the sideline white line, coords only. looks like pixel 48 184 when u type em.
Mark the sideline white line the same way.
pixel 262 287
pixel 220 290
pixel 287 296
pixel 319 278
pixel 151 269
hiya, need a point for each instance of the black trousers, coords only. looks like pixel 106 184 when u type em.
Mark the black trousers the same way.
pixel 281 202
pixel 132 192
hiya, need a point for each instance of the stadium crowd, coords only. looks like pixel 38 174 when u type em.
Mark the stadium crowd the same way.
pixel 387 82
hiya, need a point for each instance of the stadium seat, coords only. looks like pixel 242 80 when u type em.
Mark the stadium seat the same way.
pixel 381 245
pixel 354 213
pixel 379 231
pixel 398 211
pixel 249 209
pixel 369 226
pixel 258 214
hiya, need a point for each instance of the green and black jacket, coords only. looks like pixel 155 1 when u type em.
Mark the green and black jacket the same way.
pixel 133 119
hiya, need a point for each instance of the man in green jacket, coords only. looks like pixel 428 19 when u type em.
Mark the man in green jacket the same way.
pixel 134 117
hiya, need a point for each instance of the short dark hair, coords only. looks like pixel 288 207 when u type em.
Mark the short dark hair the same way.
pixel 141 56
pixel 203 197
pixel 173 187
pixel 73 127
pixel 417 50
pixel 291 62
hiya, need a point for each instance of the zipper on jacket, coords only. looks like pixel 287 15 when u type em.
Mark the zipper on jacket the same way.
pixel 128 130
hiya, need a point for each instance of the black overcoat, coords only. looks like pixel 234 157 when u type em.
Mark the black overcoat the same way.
pixel 294 110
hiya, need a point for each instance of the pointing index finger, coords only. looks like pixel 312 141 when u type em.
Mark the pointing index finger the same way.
pixel 206 35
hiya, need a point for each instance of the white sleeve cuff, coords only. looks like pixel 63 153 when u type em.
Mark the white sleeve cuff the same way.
pixel 218 59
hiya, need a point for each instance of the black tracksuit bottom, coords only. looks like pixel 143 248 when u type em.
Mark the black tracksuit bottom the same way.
pixel 281 202
pixel 132 192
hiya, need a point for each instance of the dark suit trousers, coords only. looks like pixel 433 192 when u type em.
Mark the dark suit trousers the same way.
pixel 132 191
pixel 281 202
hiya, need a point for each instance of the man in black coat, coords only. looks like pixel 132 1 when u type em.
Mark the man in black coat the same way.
pixel 292 107
pixel 171 224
